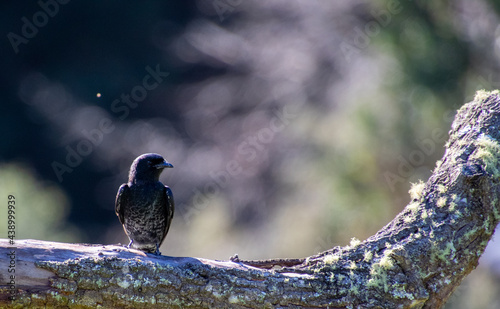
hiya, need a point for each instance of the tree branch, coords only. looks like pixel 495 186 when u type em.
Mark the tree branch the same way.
pixel 415 261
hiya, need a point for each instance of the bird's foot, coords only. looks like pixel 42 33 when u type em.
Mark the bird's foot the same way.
pixel 157 252
pixel 130 244
pixel 235 258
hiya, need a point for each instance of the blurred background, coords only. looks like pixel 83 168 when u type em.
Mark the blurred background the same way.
pixel 293 125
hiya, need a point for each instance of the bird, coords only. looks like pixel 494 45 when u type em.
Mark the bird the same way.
pixel 144 205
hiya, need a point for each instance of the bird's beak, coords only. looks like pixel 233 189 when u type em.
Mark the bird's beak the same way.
pixel 164 164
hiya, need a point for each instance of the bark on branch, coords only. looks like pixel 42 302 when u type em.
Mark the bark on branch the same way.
pixel 415 261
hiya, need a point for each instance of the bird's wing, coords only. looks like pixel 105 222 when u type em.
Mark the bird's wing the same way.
pixel 169 208
pixel 121 200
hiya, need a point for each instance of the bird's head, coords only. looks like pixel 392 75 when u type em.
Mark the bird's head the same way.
pixel 147 167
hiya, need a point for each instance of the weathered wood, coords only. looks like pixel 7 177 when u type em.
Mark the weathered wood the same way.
pixel 415 261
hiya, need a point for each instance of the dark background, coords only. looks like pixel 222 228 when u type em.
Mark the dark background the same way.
pixel 293 126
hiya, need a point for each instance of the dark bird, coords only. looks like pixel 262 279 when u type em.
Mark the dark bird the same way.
pixel 144 205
